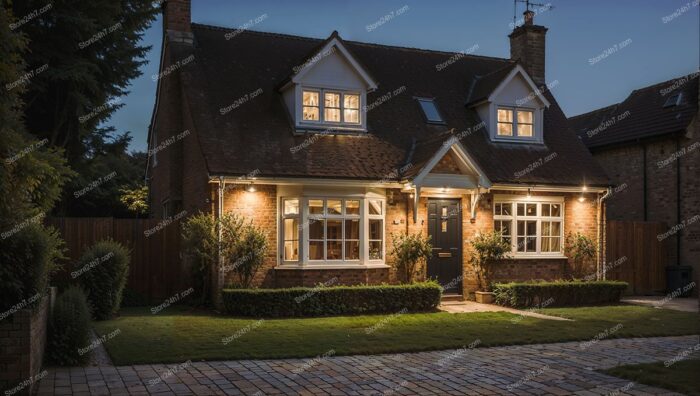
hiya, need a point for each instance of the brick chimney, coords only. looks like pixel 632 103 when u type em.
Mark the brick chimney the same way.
pixel 527 44
pixel 176 15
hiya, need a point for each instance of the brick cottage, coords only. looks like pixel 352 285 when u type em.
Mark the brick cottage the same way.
pixel 331 146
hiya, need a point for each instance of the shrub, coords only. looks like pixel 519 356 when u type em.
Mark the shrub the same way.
pixel 69 328
pixel 487 248
pixel 102 271
pixel 28 257
pixel 410 251
pixel 558 293
pixel 581 249
pixel 337 300
pixel 249 254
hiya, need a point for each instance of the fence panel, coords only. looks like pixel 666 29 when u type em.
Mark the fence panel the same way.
pixel 641 255
pixel 156 271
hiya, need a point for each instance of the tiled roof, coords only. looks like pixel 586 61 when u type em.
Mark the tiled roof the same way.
pixel 258 134
pixel 641 115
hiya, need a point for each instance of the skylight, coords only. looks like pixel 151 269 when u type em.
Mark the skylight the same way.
pixel 430 110
pixel 674 100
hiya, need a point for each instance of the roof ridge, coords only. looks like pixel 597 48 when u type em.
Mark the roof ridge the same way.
pixel 694 75
pixel 596 110
pixel 306 38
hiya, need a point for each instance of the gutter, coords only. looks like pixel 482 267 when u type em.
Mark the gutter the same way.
pixel 601 271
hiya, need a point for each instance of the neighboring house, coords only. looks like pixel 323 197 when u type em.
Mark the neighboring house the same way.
pixel 649 145
pixel 331 146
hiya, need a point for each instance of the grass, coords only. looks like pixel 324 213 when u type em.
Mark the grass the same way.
pixel 176 335
pixel 680 377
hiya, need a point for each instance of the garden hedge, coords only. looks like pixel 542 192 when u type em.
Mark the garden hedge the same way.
pixel 558 294
pixel 69 328
pixel 327 301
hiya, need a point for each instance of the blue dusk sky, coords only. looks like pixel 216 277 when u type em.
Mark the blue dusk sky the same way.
pixel 656 40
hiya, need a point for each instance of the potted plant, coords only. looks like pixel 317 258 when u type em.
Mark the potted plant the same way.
pixel 580 249
pixel 487 248
pixel 410 251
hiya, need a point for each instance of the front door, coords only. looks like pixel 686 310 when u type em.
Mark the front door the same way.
pixel 445 228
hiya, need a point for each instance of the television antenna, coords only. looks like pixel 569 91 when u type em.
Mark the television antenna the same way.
pixel 528 4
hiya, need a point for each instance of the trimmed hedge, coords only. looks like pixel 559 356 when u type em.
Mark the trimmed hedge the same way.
pixel 558 294
pixel 69 328
pixel 337 300
pixel 102 272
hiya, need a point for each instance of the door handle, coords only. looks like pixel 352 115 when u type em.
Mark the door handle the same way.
pixel 448 254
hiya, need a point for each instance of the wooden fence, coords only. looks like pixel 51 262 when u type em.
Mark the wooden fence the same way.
pixel 635 255
pixel 156 271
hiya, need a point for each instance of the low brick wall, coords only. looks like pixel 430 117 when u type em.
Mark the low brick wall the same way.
pixel 22 345
pixel 529 269
pixel 292 277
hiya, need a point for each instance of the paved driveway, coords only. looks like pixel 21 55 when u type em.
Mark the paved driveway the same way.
pixel 559 369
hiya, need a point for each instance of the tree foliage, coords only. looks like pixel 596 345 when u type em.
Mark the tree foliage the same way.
pixel 487 248
pixel 581 250
pixel 135 199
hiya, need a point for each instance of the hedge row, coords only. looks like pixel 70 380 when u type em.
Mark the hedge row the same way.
pixel 326 301
pixel 558 294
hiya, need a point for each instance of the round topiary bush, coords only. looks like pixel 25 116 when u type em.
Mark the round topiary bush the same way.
pixel 69 328
pixel 102 272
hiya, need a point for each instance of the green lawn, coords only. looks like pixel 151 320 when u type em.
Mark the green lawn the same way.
pixel 680 377
pixel 177 335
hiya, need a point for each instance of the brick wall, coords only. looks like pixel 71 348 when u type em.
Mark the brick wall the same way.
pixel 22 344
pixel 330 277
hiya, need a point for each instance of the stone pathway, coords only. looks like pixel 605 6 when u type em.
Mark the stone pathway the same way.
pixel 552 369
pixel 471 306
pixel 685 304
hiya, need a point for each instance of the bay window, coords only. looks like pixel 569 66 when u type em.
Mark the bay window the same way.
pixel 344 230
pixel 531 226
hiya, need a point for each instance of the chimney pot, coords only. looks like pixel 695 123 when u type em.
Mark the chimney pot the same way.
pixel 529 17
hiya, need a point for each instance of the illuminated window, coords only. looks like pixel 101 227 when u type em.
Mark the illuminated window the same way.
pixel 291 229
pixel 515 122
pixel 534 227
pixel 311 106
pixel 336 107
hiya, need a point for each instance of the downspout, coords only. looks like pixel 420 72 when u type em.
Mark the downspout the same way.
pixel 219 281
pixel 678 203
pixel 601 235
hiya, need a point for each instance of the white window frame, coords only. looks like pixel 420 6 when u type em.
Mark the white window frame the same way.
pixel 342 124
pixel 304 220
pixel 537 123
pixel 514 113
pixel 514 200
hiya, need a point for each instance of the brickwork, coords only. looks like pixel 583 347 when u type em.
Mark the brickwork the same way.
pixel 330 277
pixel 527 44
pixel 22 344
pixel 177 15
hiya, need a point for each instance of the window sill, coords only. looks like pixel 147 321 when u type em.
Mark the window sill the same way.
pixel 329 266
pixel 537 257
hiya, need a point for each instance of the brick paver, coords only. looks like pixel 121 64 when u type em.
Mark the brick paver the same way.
pixel 557 369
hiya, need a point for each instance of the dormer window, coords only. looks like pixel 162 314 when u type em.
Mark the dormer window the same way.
pixel 674 100
pixel 337 107
pixel 515 122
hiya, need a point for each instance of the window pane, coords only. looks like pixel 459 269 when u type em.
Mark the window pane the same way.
pixel 555 244
pixel 315 250
pixel 505 129
pixel 375 250
pixel 291 229
pixel 315 206
pixel 351 116
pixel 352 250
pixel 310 98
pixel 352 229
pixel 531 241
pixel 291 239
pixel 291 250
pixel 375 229
pixel 556 228
pixel 531 228
pixel 524 117
pixel 545 245
pixel 310 113
pixel 332 100
pixel 521 209
pixel 291 206
pixel 430 110
pixel 524 130
pixel 545 209
pixel 352 207
pixel 521 227
pixel 503 226
pixel 334 229
pixel 334 250
pixel 497 209
pixel 332 115
pixel 556 210
pixel 316 229
pixel 521 245
pixel 505 115
pixel 507 209
pixel 351 101
pixel 335 206
pixel 375 207
pixel 443 225
pixel 531 209
pixel 546 226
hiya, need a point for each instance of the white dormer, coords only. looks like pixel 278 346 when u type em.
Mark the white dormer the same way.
pixel 514 110
pixel 329 90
